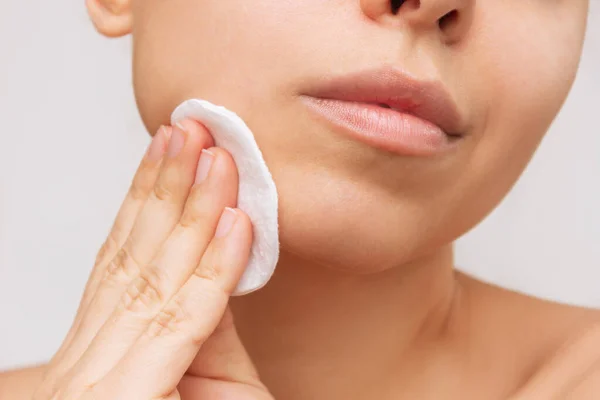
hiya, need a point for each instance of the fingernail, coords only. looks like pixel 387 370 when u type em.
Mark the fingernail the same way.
pixel 167 132
pixel 226 222
pixel 204 164
pixel 157 146
pixel 177 140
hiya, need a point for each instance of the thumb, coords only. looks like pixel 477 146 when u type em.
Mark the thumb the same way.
pixel 223 356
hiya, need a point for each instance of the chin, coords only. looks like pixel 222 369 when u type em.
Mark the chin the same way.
pixel 339 224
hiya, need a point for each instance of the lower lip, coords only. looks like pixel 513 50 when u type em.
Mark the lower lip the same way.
pixel 383 128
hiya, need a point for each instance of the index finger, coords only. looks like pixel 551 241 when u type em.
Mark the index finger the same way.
pixel 188 319
pixel 137 194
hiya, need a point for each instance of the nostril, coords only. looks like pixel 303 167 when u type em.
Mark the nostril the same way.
pixel 396 4
pixel 448 19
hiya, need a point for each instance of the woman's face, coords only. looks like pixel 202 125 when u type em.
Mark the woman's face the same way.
pixel 507 65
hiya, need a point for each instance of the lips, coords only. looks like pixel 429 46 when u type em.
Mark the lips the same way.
pixel 389 109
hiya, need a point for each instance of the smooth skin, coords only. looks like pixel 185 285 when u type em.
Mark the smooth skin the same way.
pixel 366 302
pixel 161 285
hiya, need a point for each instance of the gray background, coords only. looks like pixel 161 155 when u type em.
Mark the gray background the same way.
pixel 71 140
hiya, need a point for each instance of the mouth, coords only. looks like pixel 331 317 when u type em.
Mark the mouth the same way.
pixel 389 110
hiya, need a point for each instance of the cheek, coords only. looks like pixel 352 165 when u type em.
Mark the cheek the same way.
pixel 191 48
pixel 512 79
pixel 528 83
pixel 232 52
pixel 530 75
pixel 520 81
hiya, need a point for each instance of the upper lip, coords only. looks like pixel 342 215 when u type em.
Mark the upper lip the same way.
pixel 425 99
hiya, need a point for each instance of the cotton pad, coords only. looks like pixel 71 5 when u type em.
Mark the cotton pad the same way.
pixel 257 195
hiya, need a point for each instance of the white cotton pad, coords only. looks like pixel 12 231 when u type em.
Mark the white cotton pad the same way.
pixel 257 195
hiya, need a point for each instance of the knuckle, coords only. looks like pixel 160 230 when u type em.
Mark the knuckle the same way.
pixel 123 267
pixel 109 247
pixel 144 293
pixel 138 192
pixel 209 272
pixel 193 216
pixel 170 319
pixel 206 280
pixel 162 192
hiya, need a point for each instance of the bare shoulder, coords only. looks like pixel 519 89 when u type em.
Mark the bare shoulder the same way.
pixel 572 373
pixel 558 345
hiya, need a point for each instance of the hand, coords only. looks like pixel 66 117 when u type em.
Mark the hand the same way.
pixel 153 322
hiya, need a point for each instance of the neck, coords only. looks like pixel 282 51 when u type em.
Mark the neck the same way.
pixel 314 332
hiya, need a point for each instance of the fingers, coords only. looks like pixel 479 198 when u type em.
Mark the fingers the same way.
pixel 154 222
pixel 163 207
pixel 138 192
pixel 215 188
pixel 188 318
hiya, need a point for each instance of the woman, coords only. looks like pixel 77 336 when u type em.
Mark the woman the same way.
pixel 365 303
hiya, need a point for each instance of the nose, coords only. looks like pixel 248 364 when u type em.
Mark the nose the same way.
pixel 452 18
